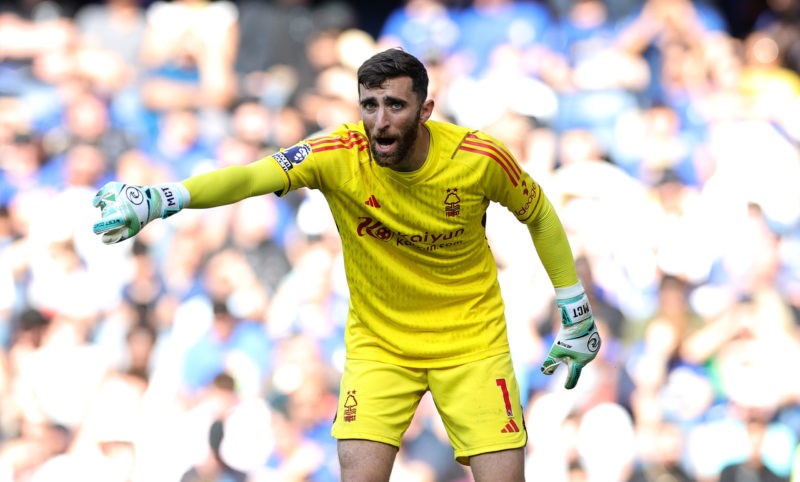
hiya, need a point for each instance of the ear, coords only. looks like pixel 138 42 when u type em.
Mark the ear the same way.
pixel 426 111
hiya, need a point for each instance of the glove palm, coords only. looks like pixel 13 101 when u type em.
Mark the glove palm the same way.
pixel 577 342
pixel 125 209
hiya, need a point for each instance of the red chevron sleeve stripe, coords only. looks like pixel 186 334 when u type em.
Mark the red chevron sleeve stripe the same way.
pixel 499 150
pixel 351 137
pixel 500 156
pixel 493 157
pixel 330 143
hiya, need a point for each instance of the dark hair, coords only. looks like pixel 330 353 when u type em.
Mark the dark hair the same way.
pixel 31 319
pixel 220 308
pixel 393 63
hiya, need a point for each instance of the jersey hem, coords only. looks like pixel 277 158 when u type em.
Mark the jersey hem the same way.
pixel 384 357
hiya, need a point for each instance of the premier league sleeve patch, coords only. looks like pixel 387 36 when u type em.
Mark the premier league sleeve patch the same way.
pixel 296 154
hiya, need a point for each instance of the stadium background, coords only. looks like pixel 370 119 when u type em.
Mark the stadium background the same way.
pixel 666 132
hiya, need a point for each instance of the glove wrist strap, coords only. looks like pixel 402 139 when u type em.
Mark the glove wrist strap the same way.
pixel 574 306
pixel 568 292
pixel 172 197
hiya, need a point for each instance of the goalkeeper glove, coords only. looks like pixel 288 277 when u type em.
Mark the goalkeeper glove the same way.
pixel 125 208
pixel 577 342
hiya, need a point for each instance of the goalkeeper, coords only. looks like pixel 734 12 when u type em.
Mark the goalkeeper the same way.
pixel 409 197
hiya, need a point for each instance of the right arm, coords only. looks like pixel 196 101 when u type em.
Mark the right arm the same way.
pixel 125 209
pixel 234 183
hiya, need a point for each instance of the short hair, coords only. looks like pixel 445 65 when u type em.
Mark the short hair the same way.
pixel 393 63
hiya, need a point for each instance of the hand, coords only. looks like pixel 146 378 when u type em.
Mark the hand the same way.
pixel 125 209
pixel 578 341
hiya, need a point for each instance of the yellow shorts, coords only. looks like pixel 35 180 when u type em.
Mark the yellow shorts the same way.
pixel 479 404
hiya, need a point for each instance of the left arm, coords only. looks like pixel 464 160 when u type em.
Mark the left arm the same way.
pixel 577 342
pixel 552 245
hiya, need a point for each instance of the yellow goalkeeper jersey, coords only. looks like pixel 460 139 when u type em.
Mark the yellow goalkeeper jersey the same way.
pixel 422 278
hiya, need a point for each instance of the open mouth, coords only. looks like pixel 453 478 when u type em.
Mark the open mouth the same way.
pixel 385 144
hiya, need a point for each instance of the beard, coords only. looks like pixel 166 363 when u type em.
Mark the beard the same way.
pixel 401 144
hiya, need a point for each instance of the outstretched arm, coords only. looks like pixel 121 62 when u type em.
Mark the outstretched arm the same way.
pixel 235 183
pixel 125 209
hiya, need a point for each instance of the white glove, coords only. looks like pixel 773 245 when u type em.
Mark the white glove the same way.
pixel 578 341
pixel 125 209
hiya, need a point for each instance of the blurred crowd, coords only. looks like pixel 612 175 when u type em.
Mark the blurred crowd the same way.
pixel 209 348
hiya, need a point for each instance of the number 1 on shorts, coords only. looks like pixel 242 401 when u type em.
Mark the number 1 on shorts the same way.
pixel 501 382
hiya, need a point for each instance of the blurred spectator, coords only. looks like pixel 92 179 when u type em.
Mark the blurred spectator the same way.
pixel 656 141
pixel 596 81
pixel 330 102
pixel 271 61
pixel 293 457
pixel 518 24
pixel 231 345
pixel 674 37
pixel 146 286
pixel 736 344
pixel 258 230
pixel 189 48
pixel 185 440
pixel 140 341
pixel 606 312
pixel 505 90
pixel 114 27
pixel 60 284
pixel 29 455
pixel 610 457
pixel 674 318
pixel 214 469
pixel 768 85
pixel 597 202
pixel 780 19
pixel 228 276
pixel 181 146
pixel 659 452
pixel 107 52
pixel 302 394
pixel 22 164
pixel 87 120
pixel 426 29
pixel 103 447
pixel 110 38
pixel 56 371
pixel 8 286
pixel 84 167
pixel 426 453
pixel 310 300
pixel 753 467
pixel 183 261
pixel 27 332
pixel 253 123
pixel 29 33
pixel 270 64
pixel 677 218
pixel 660 383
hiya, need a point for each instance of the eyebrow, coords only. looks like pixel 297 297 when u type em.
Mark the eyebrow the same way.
pixel 386 98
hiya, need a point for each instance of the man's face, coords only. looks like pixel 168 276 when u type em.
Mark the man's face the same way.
pixel 392 117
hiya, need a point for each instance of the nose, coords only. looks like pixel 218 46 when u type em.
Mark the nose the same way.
pixel 381 119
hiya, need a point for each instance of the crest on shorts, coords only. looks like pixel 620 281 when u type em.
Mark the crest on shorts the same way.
pixel 350 404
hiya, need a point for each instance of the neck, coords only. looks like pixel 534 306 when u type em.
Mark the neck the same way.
pixel 420 151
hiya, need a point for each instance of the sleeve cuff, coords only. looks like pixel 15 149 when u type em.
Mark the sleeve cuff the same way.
pixel 569 291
